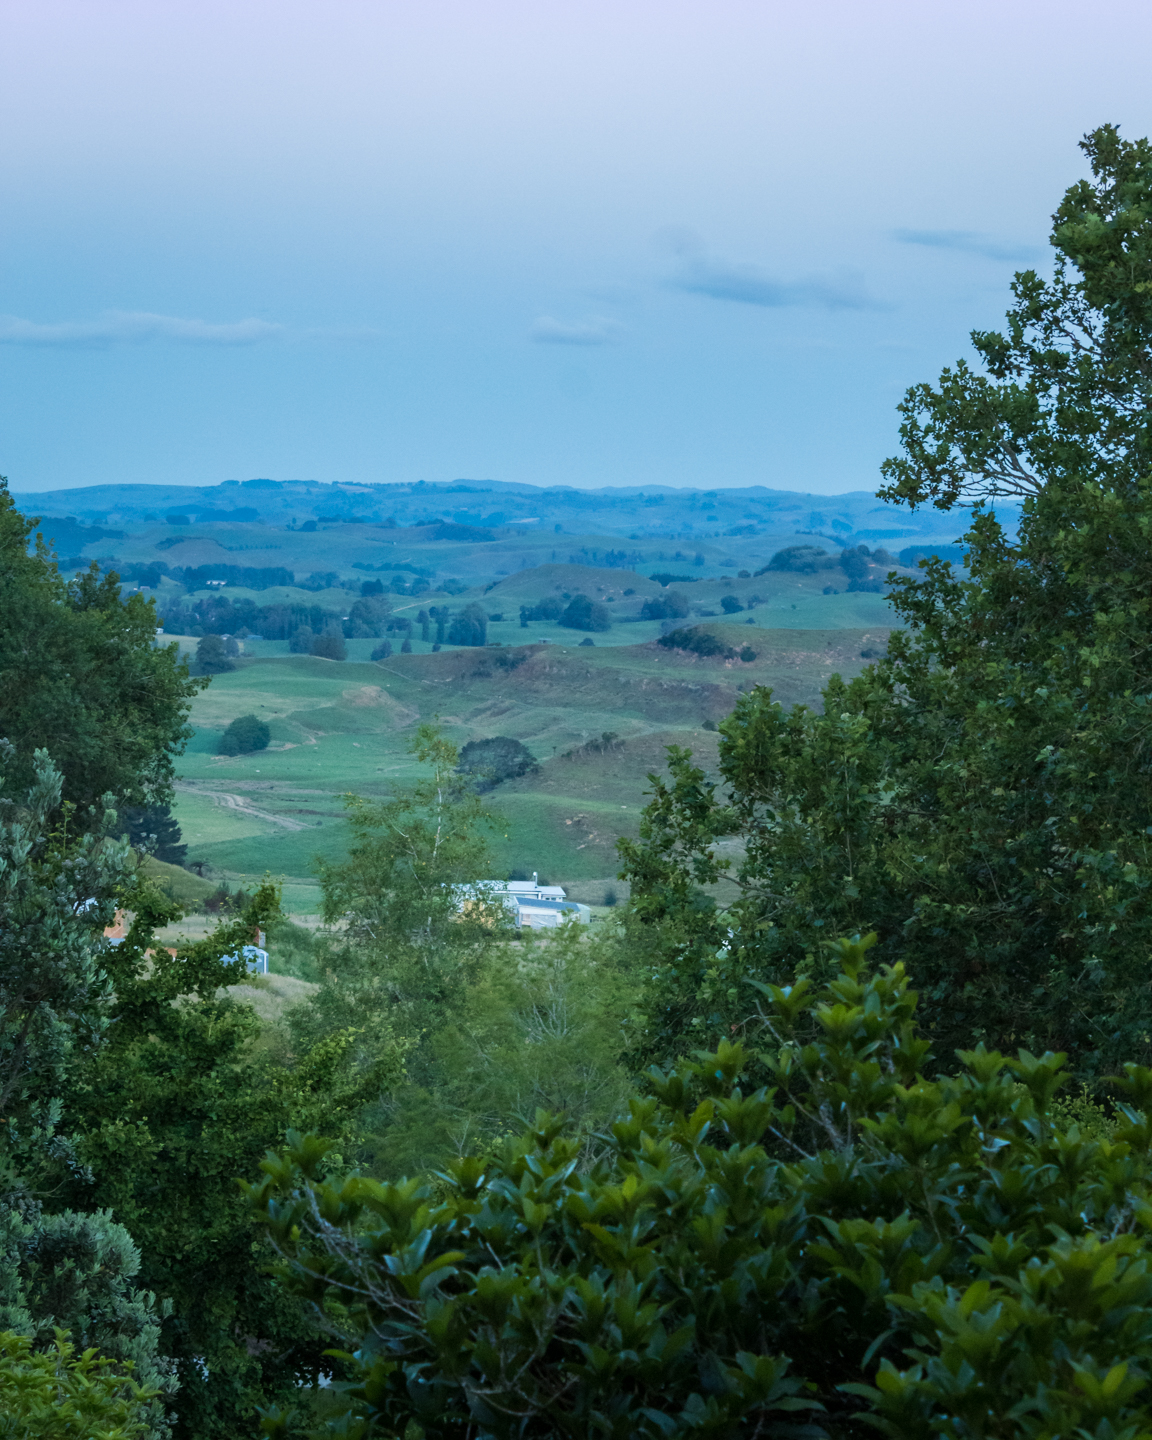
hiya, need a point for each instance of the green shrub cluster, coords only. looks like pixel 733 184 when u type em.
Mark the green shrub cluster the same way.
pixel 245 735
pixel 794 1235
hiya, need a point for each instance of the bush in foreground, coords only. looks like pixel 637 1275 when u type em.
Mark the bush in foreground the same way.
pixel 59 1395
pixel 810 1240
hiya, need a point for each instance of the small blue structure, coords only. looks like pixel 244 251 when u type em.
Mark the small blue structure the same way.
pixel 256 957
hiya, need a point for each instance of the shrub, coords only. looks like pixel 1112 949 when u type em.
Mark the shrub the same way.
pixel 329 646
pixel 587 640
pixel 730 605
pixel 56 1394
pixel 800 559
pixel 491 761
pixel 245 735
pixel 550 608
pixel 796 1226
pixel 585 614
pixel 698 642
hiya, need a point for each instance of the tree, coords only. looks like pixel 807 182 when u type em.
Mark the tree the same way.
pixel 777 1239
pixel 212 656
pixel 368 616
pixel 730 605
pixel 155 831
pixel 245 735
pixel 496 759
pixel 329 646
pixel 81 675
pixel 1068 389
pixel 410 942
pixel 550 608
pixel 65 1270
pixel 672 605
pixel 184 1095
pixel 982 794
pixel 585 614
pixel 301 641
pixel 470 627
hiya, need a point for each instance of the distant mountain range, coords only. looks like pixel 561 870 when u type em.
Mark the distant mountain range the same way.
pixel 81 519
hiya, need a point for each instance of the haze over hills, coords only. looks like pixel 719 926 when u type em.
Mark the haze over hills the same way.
pixel 637 513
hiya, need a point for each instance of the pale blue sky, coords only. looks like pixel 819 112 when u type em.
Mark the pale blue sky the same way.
pixel 590 244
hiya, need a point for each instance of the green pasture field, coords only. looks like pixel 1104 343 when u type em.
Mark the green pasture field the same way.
pixel 345 726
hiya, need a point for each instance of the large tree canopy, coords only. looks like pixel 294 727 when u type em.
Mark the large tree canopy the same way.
pixel 82 677
pixel 982 795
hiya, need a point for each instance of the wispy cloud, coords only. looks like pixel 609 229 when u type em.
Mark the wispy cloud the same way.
pixel 970 241
pixel 597 331
pixel 702 274
pixel 135 327
pixel 138 327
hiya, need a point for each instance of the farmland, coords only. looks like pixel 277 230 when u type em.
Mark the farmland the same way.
pixel 261 558
pixel 341 726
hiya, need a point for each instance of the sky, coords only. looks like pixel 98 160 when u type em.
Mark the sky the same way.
pixel 613 242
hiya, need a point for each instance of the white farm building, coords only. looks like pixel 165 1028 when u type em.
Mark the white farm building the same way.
pixel 531 905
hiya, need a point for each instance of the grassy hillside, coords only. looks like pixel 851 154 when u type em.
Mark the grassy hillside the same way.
pixel 345 726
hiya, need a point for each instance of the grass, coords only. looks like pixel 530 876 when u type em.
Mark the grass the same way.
pixel 345 726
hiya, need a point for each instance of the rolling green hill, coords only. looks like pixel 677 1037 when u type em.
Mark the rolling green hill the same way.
pixel 341 726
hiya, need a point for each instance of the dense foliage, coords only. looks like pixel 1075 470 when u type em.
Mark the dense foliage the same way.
pixel 982 795
pixel 59 1394
pixel 60 1269
pixel 850 1247
pixel 178 1101
pixel 81 676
